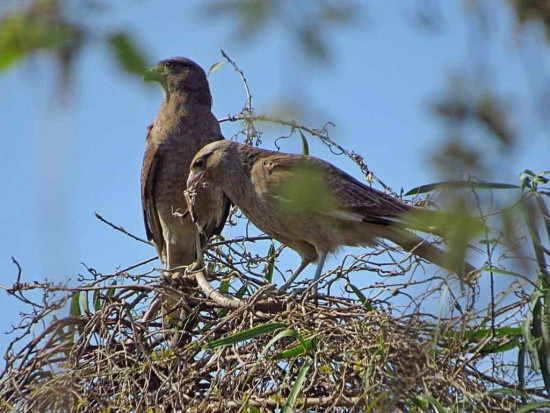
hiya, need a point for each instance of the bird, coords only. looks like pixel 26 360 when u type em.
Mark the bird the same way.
pixel 183 125
pixel 308 204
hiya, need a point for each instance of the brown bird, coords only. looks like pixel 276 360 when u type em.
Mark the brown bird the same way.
pixel 308 204
pixel 183 125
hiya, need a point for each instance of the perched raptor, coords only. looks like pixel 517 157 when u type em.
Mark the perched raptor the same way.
pixel 307 203
pixel 183 125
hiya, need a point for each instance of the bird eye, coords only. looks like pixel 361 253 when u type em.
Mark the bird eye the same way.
pixel 199 163
pixel 168 64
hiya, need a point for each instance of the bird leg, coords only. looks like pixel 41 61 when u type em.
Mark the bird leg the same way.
pixel 318 272
pixel 295 274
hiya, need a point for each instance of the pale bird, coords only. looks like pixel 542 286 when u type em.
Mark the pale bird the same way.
pixel 308 204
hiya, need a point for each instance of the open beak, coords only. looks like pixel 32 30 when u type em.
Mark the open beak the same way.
pixel 194 179
pixel 152 75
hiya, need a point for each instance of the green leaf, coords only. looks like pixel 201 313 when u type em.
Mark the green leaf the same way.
pixel 521 367
pixel 244 335
pixel 305 145
pixel 96 300
pixel 215 67
pixel 532 406
pixel 111 291
pixel 499 271
pixel 285 333
pixel 241 292
pixel 297 350
pixel 252 409
pixel 544 370
pixel 362 298
pixel 459 184
pixel 270 264
pixel 84 303
pixel 127 54
pixel 425 399
pixel 224 286
pixel 529 326
pixel 75 305
pixel 500 348
pixel 302 348
pixel 483 333
pixel 291 400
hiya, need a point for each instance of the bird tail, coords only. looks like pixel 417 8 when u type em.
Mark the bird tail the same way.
pixel 424 249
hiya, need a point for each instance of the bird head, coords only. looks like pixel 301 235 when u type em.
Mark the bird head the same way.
pixel 208 164
pixel 180 75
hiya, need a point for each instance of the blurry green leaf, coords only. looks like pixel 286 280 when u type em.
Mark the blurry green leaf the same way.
pixel 310 35
pixel 244 335
pixel 538 10
pixel 493 115
pixel 291 400
pixel 301 187
pixel 459 184
pixel 127 54
pixel 75 305
pixel 38 27
pixel 305 145
pixel 215 67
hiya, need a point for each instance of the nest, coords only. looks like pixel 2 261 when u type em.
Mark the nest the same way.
pixel 269 352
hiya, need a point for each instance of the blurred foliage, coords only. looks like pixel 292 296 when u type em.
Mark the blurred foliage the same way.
pixel 127 54
pixel 401 354
pixel 39 27
pixel 307 23
pixel 538 10
pixel 43 26
pixel 299 188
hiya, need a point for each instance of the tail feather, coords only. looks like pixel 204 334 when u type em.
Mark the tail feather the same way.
pixel 424 249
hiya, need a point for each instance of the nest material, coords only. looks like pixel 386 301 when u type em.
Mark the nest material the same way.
pixel 356 358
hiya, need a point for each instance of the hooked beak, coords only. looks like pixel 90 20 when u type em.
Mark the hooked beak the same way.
pixel 194 179
pixel 153 75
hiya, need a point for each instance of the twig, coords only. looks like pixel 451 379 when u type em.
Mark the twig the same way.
pixel 320 133
pixel 121 229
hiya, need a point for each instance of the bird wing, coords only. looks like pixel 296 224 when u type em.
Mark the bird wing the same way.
pixel 307 182
pixel 221 223
pixel 153 228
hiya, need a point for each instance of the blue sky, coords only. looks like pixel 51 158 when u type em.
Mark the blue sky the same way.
pixel 61 162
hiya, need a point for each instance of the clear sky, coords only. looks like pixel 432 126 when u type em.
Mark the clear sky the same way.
pixel 61 162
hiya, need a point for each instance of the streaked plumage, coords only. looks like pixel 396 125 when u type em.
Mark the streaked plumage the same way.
pixel 183 125
pixel 306 203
